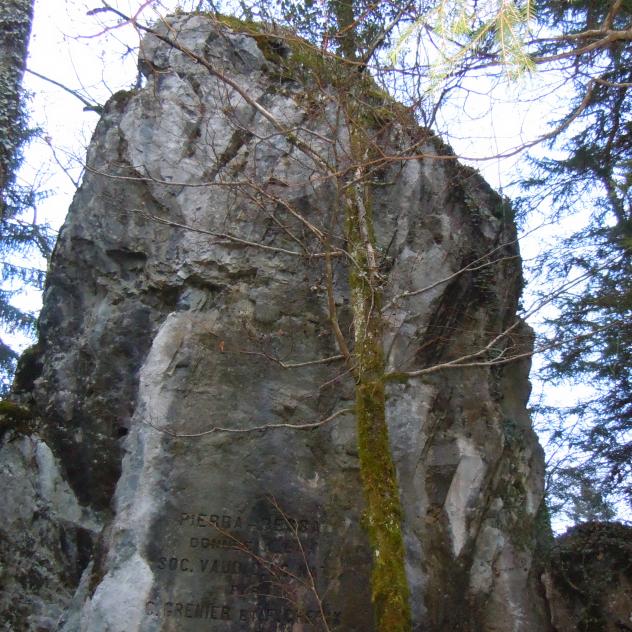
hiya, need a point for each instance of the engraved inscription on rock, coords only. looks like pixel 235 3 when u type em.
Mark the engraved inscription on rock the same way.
pixel 259 568
pixel 257 530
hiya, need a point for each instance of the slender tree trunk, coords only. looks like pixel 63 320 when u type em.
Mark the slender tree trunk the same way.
pixel 343 12
pixel 389 586
pixel 383 515
pixel 16 17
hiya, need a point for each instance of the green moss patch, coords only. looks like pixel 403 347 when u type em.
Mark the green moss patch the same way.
pixel 16 418
pixel 383 514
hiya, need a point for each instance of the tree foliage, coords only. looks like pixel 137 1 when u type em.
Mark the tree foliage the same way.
pixel 588 171
pixel 18 236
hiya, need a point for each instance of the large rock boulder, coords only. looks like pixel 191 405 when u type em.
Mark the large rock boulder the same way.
pixel 191 459
pixel 588 578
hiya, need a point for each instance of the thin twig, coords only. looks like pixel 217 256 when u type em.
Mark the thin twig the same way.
pixel 89 105
pixel 293 365
pixel 230 238
pixel 310 575
pixel 304 426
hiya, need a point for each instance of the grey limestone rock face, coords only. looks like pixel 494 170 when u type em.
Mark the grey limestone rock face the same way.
pixel 196 424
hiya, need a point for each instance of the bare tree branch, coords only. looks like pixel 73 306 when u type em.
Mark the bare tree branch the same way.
pixel 308 425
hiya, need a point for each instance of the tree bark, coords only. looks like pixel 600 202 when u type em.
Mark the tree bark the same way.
pixel 16 17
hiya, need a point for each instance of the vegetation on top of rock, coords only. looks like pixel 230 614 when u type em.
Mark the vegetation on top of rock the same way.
pixel 588 564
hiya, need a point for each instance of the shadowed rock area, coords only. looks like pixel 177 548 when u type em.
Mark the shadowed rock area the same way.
pixel 589 578
pixel 182 451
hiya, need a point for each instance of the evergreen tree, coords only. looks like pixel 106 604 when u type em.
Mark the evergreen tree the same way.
pixel 592 333
pixel 18 235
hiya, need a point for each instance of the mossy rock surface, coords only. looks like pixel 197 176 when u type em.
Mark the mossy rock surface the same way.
pixel 589 565
pixel 16 418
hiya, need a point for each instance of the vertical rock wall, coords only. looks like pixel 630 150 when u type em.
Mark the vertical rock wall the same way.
pixel 189 461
